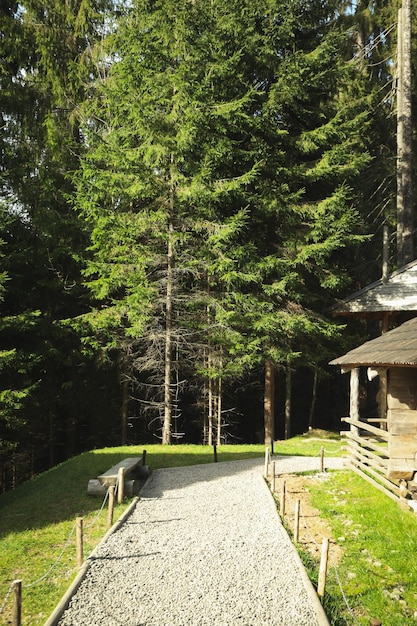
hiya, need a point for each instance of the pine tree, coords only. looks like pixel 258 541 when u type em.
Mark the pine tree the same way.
pixel 43 71
pixel 216 183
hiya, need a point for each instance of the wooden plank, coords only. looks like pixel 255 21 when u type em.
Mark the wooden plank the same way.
pixel 110 477
pixel 384 481
pixel 368 457
pixel 380 448
pixel 376 420
pixel 364 426
pixel 373 482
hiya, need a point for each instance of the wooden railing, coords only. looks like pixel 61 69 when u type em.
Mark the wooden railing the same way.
pixel 367 455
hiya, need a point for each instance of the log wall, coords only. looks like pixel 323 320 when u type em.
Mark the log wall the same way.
pixel 402 423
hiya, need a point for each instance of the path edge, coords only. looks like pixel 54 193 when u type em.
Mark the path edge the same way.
pixel 322 618
pixel 82 572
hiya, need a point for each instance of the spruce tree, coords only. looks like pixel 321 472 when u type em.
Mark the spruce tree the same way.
pixel 216 183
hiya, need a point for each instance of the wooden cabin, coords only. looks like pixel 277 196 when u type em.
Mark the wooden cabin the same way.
pixel 385 448
pixel 391 300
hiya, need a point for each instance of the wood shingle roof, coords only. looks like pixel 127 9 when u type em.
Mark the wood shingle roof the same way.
pixel 397 347
pixel 397 293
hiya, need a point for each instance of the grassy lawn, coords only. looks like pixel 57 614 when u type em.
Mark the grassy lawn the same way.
pixel 37 520
pixel 378 572
pixel 377 575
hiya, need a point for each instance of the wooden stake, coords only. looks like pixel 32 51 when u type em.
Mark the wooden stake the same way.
pixel 273 476
pixel 120 485
pixel 111 507
pixel 79 541
pixel 17 603
pixel 375 622
pixel 322 460
pixel 144 457
pixel 323 568
pixel 282 500
pixel 296 521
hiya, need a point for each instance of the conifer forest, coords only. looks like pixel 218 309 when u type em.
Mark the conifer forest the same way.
pixel 187 188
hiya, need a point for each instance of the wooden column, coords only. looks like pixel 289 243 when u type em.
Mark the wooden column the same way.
pixel 354 398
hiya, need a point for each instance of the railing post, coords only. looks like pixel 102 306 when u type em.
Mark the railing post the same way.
pixel 323 568
pixel 111 507
pixel 17 603
pixel 120 485
pixel 79 541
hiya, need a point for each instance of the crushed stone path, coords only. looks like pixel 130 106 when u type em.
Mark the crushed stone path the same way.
pixel 204 546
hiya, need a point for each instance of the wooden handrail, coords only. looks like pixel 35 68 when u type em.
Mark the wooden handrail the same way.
pixel 365 426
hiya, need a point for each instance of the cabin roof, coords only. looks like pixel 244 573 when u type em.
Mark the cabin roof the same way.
pixel 397 347
pixel 398 292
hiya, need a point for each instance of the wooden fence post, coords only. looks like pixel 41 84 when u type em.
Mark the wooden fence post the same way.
pixel 296 521
pixel 111 507
pixel 79 541
pixel 323 568
pixel 120 485
pixel 17 603
pixel 144 457
pixel 282 499
pixel 322 460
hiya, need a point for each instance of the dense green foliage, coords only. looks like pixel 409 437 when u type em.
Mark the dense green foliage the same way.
pixel 185 189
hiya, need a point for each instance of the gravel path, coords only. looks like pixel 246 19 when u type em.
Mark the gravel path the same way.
pixel 203 546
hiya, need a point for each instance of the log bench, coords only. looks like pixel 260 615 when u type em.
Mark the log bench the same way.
pixel 133 466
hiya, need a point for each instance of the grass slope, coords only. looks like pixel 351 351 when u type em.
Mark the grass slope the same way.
pixel 37 519
pixel 378 571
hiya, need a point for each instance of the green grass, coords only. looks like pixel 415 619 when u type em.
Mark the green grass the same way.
pixel 378 570
pixel 37 518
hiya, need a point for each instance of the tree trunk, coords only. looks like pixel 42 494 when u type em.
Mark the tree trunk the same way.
pixel 288 388
pixel 269 409
pixel 405 216
pixel 219 410
pixel 166 430
pixel 313 399
pixel 125 408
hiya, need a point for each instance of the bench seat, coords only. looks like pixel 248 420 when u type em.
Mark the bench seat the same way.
pixel 110 477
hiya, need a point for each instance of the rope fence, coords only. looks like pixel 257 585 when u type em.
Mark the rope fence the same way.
pixel 286 504
pixel 15 589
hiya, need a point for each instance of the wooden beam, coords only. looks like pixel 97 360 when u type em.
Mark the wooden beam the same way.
pixel 382 451
pixel 364 426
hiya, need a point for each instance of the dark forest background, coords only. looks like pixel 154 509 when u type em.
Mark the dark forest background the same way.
pixel 187 188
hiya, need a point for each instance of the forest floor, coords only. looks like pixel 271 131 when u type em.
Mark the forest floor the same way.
pixel 312 528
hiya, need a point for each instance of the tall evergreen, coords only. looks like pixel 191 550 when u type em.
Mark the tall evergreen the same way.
pixel 43 75
pixel 217 181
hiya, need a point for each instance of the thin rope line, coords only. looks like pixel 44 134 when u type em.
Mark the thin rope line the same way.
pixel 36 582
pixel 9 591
